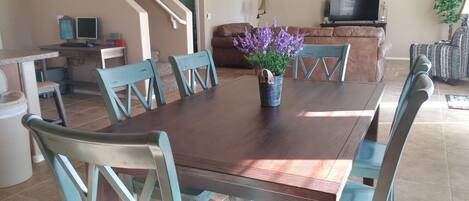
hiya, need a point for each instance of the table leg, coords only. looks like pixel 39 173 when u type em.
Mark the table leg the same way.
pixel 44 70
pixel 372 135
pixel 29 84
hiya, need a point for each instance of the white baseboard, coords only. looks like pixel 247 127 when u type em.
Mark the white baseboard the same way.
pixel 398 58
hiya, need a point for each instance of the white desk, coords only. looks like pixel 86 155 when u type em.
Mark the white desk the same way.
pixel 25 59
pixel 102 51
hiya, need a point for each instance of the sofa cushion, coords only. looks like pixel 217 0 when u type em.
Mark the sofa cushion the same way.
pixel 232 29
pixel 223 42
pixel 318 32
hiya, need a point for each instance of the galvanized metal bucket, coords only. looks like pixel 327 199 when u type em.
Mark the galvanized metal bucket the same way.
pixel 270 89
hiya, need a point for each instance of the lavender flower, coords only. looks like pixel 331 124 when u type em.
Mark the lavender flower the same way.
pixel 262 46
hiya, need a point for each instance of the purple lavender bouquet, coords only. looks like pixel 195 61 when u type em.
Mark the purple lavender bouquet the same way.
pixel 267 50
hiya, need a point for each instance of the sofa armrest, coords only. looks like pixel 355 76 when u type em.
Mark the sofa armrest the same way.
pixel 383 49
pixel 427 49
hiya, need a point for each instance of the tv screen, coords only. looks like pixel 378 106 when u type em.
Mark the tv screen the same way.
pixel 87 27
pixel 350 10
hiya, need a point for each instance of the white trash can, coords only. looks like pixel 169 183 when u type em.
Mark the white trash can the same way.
pixel 15 154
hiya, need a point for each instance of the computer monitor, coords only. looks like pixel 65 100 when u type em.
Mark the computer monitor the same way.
pixel 87 28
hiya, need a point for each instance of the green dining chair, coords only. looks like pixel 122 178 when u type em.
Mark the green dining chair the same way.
pixel 103 152
pixel 320 53
pixel 127 77
pixel 420 91
pixel 370 156
pixel 191 64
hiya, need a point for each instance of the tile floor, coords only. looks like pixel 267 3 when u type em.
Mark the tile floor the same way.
pixel 434 167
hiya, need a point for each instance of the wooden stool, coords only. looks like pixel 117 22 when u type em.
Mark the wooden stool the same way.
pixel 47 87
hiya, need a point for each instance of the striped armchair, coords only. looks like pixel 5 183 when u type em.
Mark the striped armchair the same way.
pixel 450 60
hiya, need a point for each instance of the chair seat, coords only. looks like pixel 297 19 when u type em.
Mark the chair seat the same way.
pixel 187 194
pixel 369 159
pixel 357 192
pixel 46 86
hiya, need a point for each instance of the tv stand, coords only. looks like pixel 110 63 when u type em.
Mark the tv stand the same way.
pixel 356 23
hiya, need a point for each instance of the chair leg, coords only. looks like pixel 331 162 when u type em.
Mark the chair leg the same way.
pixel 60 106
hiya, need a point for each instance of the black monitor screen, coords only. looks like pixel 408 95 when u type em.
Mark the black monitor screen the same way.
pixel 87 28
pixel 345 10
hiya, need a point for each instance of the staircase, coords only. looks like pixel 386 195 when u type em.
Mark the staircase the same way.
pixel 167 77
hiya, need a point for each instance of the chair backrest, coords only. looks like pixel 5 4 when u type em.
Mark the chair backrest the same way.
pixel 320 53
pixel 460 37
pixel 102 152
pixel 192 63
pixel 421 65
pixel 128 76
pixel 419 92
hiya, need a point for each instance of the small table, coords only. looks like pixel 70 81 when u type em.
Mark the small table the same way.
pixel 103 52
pixel 224 141
pixel 25 59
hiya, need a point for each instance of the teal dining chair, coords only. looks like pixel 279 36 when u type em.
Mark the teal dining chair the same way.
pixel 126 77
pixel 370 156
pixel 419 92
pixel 320 53
pixel 103 152
pixel 191 64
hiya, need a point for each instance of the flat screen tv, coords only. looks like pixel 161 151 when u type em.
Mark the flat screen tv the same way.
pixel 354 10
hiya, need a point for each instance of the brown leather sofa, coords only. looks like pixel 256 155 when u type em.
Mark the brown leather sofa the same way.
pixel 366 58
pixel 224 53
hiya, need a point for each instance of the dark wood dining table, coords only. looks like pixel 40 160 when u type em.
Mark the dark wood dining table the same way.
pixel 224 141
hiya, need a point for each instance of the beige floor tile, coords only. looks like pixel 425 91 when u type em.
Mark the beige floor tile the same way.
pixel 458 158
pixel 456 135
pixel 412 191
pixel 460 194
pixel 424 157
pixel 458 177
pixel 451 115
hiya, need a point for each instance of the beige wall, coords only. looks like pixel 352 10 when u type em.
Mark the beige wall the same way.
pixel 409 21
pixel 223 12
pixel 164 38
pixel 122 16
pixel 412 22
pixel 14 24
pixel 305 13
pixel 14 34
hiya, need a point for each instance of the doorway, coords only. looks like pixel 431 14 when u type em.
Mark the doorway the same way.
pixel 192 5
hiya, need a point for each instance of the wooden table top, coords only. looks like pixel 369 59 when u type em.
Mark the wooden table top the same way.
pixel 303 149
pixel 20 56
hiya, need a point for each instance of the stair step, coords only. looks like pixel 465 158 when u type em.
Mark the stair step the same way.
pixel 164 68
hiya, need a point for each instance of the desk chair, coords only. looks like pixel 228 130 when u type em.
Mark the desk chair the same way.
pixel 48 87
